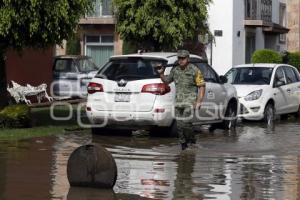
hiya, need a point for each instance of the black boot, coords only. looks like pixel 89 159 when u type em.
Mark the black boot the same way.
pixel 184 146
pixel 192 141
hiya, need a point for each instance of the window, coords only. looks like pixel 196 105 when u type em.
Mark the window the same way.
pixel 282 21
pixel 231 75
pixel 101 8
pixel 250 75
pixel 92 39
pixel 133 68
pixel 208 73
pixel 297 74
pixel 65 65
pixel 290 75
pixel 279 76
pixel 99 39
pixel 99 47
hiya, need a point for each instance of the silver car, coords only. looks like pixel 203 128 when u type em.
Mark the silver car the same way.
pixel 71 74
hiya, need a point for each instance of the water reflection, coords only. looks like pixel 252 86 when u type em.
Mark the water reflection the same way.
pixel 252 163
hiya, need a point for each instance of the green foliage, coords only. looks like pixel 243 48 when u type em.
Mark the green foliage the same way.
pixel 73 45
pixel 15 116
pixel 266 56
pixel 294 59
pixel 160 25
pixel 39 23
pixel 129 48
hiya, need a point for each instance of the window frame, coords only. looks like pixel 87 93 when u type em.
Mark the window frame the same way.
pixel 274 79
pixel 285 69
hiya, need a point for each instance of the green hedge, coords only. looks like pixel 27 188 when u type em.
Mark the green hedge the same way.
pixel 266 56
pixel 294 59
pixel 15 116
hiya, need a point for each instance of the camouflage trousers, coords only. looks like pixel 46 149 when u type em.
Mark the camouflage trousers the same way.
pixel 184 117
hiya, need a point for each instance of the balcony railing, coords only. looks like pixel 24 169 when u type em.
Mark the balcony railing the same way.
pixel 102 8
pixel 258 10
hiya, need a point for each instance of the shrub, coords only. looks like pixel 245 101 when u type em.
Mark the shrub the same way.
pixel 294 59
pixel 266 56
pixel 15 116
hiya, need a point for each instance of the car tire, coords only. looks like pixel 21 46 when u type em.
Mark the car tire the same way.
pixel 231 112
pixel 269 114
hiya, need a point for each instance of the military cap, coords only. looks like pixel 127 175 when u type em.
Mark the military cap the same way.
pixel 183 53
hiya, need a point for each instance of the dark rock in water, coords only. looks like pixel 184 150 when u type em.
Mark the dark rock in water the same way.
pixel 92 166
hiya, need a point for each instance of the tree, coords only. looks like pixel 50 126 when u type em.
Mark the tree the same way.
pixel 36 23
pixel 160 24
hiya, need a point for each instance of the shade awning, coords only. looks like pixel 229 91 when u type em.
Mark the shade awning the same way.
pixel 268 27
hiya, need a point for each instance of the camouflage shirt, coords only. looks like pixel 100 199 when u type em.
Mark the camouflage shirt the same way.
pixel 186 82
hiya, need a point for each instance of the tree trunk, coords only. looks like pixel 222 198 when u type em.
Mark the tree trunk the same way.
pixel 3 83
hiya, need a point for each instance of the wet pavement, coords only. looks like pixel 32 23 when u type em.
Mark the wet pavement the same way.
pixel 255 162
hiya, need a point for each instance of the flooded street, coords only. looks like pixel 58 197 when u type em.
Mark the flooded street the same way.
pixel 255 162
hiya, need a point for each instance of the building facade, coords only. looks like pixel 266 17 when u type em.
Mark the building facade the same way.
pixel 98 37
pixel 240 27
pixel 293 16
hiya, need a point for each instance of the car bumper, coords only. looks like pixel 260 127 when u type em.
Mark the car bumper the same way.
pixel 251 110
pixel 130 119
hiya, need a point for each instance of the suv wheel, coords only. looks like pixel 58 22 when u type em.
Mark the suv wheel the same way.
pixel 231 114
pixel 297 114
pixel 269 114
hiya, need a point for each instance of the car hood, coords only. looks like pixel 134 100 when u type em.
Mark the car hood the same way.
pixel 244 90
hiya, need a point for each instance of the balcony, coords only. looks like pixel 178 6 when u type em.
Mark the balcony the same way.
pixel 258 13
pixel 101 14
pixel 258 10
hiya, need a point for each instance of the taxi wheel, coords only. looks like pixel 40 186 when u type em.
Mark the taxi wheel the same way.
pixel 269 114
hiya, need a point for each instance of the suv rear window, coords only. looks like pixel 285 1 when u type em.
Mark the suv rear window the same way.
pixel 132 68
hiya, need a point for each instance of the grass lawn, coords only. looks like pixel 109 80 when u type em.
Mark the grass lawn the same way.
pixel 45 125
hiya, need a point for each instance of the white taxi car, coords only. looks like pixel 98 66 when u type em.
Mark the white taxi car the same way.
pixel 127 93
pixel 266 90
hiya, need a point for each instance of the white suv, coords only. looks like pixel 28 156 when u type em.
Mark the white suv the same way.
pixel 266 90
pixel 127 93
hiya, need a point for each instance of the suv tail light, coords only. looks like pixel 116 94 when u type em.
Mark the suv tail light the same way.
pixel 94 87
pixel 156 88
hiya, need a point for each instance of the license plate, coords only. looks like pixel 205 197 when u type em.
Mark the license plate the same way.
pixel 122 97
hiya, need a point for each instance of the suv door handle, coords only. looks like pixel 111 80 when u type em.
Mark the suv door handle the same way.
pixel 288 90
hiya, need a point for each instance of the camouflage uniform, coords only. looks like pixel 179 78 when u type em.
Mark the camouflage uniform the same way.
pixel 186 82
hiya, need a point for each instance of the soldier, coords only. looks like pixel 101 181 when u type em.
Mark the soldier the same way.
pixel 190 90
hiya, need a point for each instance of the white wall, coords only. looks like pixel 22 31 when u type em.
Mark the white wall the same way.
pixel 260 39
pixel 239 43
pixel 229 50
pixel 221 18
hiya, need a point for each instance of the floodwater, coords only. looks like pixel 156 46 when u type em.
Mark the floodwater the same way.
pixel 255 162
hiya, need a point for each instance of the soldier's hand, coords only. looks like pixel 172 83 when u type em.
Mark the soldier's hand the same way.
pixel 160 69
